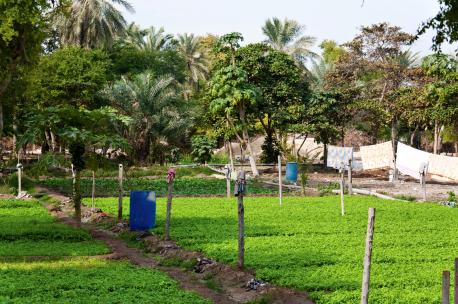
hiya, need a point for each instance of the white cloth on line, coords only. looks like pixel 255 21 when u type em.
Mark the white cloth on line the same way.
pixel 339 155
pixel 445 166
pixel 377 156
pixel 410 161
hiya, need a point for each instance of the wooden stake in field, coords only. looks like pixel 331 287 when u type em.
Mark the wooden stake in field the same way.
pixel 239 192
pixel 19 179
pixel 93 189
pixel 423 169
pixel 368 257
pixel 170 177
pixel 280 190
pixel 227 173
pixel 342 189
pixel 121 191
pixel 455 283
pixel 446 287
pixel 350 177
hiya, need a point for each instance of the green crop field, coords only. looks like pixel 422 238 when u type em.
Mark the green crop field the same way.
pixel 181 186
pixel 67 271
pixel 307 245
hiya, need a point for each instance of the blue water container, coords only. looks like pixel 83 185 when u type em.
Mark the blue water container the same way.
pixel 291 172
pixel 142 210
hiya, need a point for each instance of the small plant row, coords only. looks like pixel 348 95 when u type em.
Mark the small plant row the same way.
pixel 181 187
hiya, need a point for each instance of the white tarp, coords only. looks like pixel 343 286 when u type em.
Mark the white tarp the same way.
pixel 377 156
pixel 410 161
pixel 445 166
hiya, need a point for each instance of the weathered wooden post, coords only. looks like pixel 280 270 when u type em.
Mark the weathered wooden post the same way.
pixel 121 191
pixel 342 189
pixel 368 257
pixel 280 190
pixel 455 283
pixel 240 187
pixel 350 177
pixel 19 179
pixel 446 287
pixel 93 189
pixel 170 177
pixel 227 173
pixel 423 168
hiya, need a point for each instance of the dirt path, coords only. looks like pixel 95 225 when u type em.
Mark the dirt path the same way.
pixel 214 281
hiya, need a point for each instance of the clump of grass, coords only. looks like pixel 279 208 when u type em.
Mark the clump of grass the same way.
pixel 405 197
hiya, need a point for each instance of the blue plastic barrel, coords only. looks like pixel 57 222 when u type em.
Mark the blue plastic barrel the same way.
pixel 142 210
pixel 291 172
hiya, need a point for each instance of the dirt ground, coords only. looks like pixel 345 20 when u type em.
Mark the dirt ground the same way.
pixel 377 181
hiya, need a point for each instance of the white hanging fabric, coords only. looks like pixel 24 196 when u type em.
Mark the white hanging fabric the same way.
pixel 377 156
pixel 339 155
pixel 445 166
pixel 411 161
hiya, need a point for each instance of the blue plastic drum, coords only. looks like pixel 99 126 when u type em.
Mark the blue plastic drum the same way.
pixel 291 172
pixel 142 210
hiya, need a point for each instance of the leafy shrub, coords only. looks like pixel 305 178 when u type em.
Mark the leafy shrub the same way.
pixel 47 163
pixel 451 196
pixel 326 189
pixel 202 148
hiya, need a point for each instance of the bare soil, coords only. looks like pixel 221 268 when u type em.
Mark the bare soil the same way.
pixel 377 181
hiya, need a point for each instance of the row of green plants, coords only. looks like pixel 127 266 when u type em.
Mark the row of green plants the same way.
pixel 306 244
pixel 181 187
pixel 29 234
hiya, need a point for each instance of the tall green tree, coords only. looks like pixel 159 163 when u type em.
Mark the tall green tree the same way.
pixel 92 23
pixel 445 23
pixel 281 86
pixel 189 47
pixel 287 36
pixel 23 25
pixel 158 114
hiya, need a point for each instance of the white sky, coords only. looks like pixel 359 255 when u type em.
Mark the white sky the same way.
pixel 325 19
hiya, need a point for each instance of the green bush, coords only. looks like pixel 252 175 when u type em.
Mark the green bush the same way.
pixel 202 148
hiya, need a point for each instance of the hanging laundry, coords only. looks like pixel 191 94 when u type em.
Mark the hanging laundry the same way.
pixel 410 161
pixel 339 155
pixel 377 156
pixel 445 166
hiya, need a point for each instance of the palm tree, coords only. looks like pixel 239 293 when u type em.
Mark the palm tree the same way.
pixel 93 23
pixel 155 108
pixel 196 62
pixel 286 36
pixel 318 73
pixel 157 39
pixel 150 39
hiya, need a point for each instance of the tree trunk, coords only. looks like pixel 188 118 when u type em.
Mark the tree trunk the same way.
pixel 77 195
pixel 246 139
pixel 394 144
pixel 456 148
pixel 437 137
pixel 254 169
pixel 231 154
pixel 53 141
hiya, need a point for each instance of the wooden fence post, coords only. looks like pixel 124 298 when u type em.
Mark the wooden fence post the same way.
pixel 168 213
pixel 455 283
pixel 93 189
pixel 239 192
pixel 342 189
pixel 368 256
pixel 280 190
pixel 19 179
pixel 446 287
pixel 350 178
pixel 121 191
